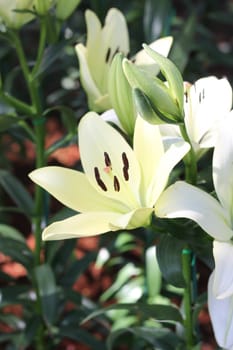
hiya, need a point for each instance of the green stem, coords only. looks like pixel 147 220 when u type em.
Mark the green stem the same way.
pixel 190 160
pixel 33 84
pixel 41 47
pixel 19 105
pixel 188 322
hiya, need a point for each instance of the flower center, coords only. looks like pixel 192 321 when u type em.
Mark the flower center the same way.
pixel 108 170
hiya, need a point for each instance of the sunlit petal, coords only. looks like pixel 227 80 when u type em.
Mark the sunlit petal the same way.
pixel 162 46
pixel 182 200
pixel 149 150
pixel 206 103
pixel 136 218
pixel 221 313
pixel 86 76
pixel 108 160
pixel 223 277
pixel 223 165
pixel 73 189
pixel 170 158
pixel 81 225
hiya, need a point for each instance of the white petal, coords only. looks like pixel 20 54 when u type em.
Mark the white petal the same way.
pixel 167 162
pixel 223 277
pixel 137 218
pixel 206 104
pixel 162 46
pixel 81 225
pixel 88 83
pixel 182 200
pixel 223 165
pixel 98 141
pixel 221 314
pixel 73 189
pixel 148 148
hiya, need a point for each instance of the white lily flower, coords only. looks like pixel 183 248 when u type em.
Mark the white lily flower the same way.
pixel 120 186
pixel 10 17
pixel 95 59
pixel 206 104
pixel 102 45
pixel 221 313
pixel 215 217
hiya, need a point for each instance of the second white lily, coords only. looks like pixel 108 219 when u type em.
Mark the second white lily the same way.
pixel 121 185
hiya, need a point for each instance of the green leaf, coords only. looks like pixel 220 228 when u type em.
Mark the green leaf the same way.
pixel 162 313
pixel 81 336
pixel 14 294
pixel 17 250
pixel 48 292
pixel 169 251
pixel 77 268
pixel 17 192
pixel 160 338
pixel 11 232
pixel 6 121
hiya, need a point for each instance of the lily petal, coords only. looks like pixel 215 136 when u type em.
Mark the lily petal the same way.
pixel 108 160
pixel 221 313
pixel 140 217
pixel 73 189
pixel 167 162
pixel 81 225
pixel 223 165
pixel 223 277
pixel 207 101
pixel 162 46
pixel 86 77
pixel 148 147
pixel 183 200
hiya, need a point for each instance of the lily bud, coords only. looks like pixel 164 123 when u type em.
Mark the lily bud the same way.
pixel 171 74
pixel 154 89
pixel 65 8
pixel 146 110
pixel 120 93
pixel 9 15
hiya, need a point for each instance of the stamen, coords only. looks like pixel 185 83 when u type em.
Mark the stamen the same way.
pixel 203 93
pixel 186 96
pixel 98 180
pixel 116 184
pixel 125 160
pixel 126 166
pixel 107 160
pixel 107 55
pixel 199 97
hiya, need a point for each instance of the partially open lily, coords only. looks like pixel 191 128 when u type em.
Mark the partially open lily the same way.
pixel 215 217
pixel 95 59
pixel 12 18
pixel 206 103
pixel 120 186
pixel 102 45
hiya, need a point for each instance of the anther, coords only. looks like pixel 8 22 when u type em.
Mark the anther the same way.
pixel 107 159
pixel 186 96
pixel 116 184
pixel 107 55
pixel 98 179
pixel 126 166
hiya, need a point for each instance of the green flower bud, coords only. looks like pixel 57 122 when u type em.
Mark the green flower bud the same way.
pixel 120 93
pixel 156 90
pixel 65 8
pixel 146 110
pixel 171 74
